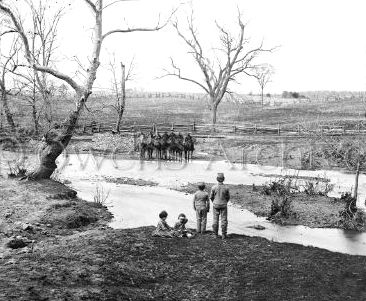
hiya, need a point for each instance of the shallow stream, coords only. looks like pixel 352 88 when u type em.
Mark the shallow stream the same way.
pixel 135 206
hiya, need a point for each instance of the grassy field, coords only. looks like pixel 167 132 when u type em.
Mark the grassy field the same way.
pixel 188 110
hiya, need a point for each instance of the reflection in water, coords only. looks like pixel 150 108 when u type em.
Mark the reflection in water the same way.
pixel 135 206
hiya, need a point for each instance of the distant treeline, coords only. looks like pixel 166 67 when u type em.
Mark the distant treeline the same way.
pixel 289 94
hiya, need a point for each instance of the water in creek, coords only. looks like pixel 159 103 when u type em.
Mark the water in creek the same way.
pixel 135 206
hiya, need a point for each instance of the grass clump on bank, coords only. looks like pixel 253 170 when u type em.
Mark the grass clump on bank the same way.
pixel 350 217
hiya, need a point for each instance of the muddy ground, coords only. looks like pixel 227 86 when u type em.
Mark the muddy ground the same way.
pixel 71 254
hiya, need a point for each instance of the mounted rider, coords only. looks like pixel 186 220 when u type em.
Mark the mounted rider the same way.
pixel 180 138
pixel 172 135
pixel 165 136
pixel 188 138
pixel 151 134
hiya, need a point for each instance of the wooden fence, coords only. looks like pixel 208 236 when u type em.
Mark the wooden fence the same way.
pixel 354 128
pixel 351 127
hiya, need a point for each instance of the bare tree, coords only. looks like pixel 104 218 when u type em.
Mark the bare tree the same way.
pixel 7 67
pixel 237 59
pixel 328 150
pixel 43 49
pixel 42 37
pixel 263 75
pixel 56 143
pixel 119 89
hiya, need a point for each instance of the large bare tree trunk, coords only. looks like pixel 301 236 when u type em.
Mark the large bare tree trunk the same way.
pixel 8 114
pixel 214 115
pixel 262 97
pixel 54 146
pixel 55 143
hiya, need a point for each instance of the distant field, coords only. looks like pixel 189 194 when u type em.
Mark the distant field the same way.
pixel 188 110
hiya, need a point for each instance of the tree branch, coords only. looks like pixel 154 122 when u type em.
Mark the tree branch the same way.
pixel 19 28
pixel 139 29
pixel 177 73
pixel 92 6
pixel 114 2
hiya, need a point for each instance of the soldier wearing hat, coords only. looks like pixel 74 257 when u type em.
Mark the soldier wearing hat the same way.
pixel 220 196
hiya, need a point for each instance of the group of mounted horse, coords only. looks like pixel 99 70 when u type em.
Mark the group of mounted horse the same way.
pixel 165 147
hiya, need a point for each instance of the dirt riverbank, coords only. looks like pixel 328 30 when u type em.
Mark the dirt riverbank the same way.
pixel 71 254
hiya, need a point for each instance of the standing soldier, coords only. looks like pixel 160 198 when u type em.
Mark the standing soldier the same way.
pixel 201 205
pixel 220 196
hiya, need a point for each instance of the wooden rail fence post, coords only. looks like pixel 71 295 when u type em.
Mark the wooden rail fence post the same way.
pixel 255 129
pixel 279 130
pixel 99 127
pixel 298 129
pixel 234 129
pixel 194 126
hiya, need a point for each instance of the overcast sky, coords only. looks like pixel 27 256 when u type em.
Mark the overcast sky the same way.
pixel 322 43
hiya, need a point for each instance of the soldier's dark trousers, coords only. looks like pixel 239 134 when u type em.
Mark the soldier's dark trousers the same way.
pixel 201 215
pixel 217 214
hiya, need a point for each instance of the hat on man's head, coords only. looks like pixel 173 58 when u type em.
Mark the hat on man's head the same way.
pixel 201 185
pixel 220 176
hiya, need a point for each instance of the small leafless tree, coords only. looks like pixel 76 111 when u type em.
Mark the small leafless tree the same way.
pixel 237 58
pixel 42 38
pixel 263 74
pixel 119 89
pixel 43 46
pixel 341 151
pixel 8 64
pixel 57 141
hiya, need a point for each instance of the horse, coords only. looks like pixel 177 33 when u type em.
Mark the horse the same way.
pixel 157 141
pixel 142 145
pixel 150 145
pixel 175 148
pixel 188 145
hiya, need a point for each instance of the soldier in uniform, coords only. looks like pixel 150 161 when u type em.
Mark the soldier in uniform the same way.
pixel 172 135
pixel 201 204
pixel 165 135
pixel 180 138
pixel 220 196
pixel 189 137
